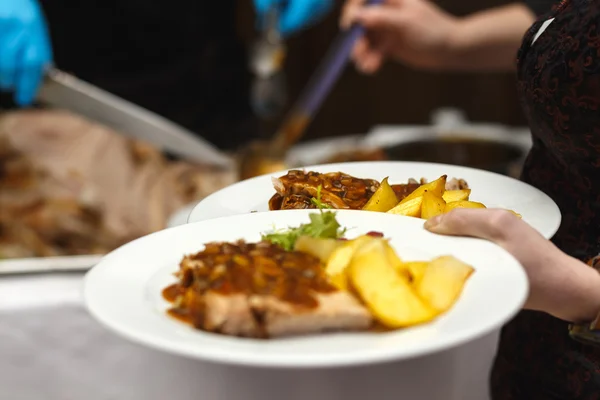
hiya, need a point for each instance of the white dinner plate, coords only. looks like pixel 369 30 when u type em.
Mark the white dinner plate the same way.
pixel 180 216
pixel 123 292
pixel 493 190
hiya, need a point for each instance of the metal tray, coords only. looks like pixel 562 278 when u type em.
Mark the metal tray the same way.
pixel 48 264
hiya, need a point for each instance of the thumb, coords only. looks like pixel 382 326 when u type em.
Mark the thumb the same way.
pixel 492 224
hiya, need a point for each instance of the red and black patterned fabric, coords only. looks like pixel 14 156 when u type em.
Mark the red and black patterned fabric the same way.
pixel 559 84
pixel 541 7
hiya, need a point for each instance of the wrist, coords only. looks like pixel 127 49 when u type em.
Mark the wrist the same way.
pixel 579 294
pixel 456 45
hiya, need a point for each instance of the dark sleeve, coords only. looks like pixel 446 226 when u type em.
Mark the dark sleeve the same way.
pixel 541 7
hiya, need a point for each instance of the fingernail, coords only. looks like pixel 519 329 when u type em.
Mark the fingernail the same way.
pixel 433 222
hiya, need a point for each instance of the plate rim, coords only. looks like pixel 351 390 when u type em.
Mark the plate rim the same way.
pixel 353 360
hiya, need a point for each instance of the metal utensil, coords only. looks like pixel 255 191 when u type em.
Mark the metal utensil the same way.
pixel 265 157
pixel 48 264
pixel 269 94
pixel 65 91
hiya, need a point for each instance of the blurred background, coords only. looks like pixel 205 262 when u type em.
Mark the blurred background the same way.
pixel 396 94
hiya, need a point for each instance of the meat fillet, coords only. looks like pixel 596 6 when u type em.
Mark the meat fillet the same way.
pixel 260 290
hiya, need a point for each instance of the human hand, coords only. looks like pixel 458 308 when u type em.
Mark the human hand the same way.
pixel 559 284
pixel 415 32
pixel 295 14
pixel 25 48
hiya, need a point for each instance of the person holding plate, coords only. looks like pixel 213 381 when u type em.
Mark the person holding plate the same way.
pixel 550 350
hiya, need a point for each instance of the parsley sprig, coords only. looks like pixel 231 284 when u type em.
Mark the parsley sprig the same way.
pixel 323 225
pixel 317 200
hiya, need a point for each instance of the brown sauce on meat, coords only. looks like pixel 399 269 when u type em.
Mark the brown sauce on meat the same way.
pixel 403 190
pixel 171 292
pixel 275 202
pixel 379 328
pixel 245 268
pixel 181 315
pixel 338 190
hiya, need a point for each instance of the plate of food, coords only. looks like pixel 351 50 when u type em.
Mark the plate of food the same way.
pixel 392 187
pixel 305 289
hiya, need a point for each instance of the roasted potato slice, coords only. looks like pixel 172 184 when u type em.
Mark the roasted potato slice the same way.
pixel 432 205
pixel 456 195
pixel 395 260
pixel 320 248
pixel 443 281
pixel 411 208
pixel 436 187
pixel 383 199
pixel 386 293
pixel 341 256
pixel 463 204
pixel 340 280
pixel 416 270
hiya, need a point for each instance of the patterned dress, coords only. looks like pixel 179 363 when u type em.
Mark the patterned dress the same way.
pixel 559 85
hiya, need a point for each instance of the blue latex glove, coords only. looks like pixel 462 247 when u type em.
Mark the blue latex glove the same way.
pixel 25 48
pixel 295 14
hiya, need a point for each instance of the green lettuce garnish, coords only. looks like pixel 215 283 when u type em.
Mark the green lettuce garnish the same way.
pixel 323 225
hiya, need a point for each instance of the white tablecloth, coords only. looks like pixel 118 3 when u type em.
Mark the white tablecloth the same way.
pixel 51 349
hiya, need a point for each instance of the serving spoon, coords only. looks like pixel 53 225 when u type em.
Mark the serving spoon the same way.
pixel 263 157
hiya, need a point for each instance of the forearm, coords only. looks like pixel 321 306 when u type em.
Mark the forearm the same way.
pixel 489 40
pixel 575 293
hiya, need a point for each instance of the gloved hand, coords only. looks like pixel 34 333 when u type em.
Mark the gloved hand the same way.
pixel 295 14
pixel 25 48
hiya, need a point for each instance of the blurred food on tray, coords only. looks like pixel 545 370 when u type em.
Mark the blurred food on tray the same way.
pixel 72 187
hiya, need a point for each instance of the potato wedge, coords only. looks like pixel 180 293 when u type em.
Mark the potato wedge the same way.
pixel 416 270
pixel 411 208
pixel 340 281
pixel 443 282
pixel 386 293
pixel 456 195
pixel 432 205
pixel 341 256
pixel 436 187
pixel 320 248
pixel 396 261
pixel 463 204
pixel 383 199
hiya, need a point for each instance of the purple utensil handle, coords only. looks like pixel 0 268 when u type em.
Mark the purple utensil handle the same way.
pixel 330 69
